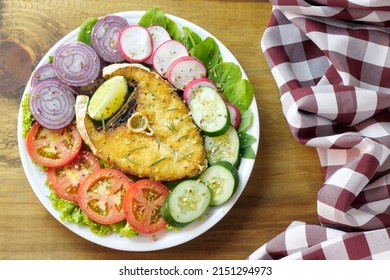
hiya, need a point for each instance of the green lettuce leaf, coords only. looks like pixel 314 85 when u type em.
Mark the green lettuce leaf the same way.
pixel 28 118
pixel 72 213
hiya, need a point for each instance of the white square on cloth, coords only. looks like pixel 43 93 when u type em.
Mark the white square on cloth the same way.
pixel 290 35
pixel 336 157
pixel 296 238
pixel 366 100
pixel 348 179
pixel 327 103
pixel 375 130
pixel 376 54
pixel 337 43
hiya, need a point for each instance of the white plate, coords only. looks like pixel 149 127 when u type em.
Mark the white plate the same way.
pixel 165 238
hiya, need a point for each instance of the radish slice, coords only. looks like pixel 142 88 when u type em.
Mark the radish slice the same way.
pixel 42 73
pixel 76 64
pixel 135 43
pixel 235 117
pixel 166 53
pixel 185 69
pixel 52 104
pixel 105 35
pixel 159 35
pixel 195 85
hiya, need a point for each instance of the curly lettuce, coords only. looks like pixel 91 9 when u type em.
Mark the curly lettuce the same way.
pixel 28 118
pixel 72 213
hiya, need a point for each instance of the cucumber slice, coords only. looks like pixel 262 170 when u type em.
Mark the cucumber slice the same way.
pixel 186 203
pixel 108 98
pixel 225 147
pixel 209 111
pixel 222 180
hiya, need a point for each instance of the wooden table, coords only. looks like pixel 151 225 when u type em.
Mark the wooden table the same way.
pixel 286 176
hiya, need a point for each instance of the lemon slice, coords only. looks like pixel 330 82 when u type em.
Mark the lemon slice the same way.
pixel 108 98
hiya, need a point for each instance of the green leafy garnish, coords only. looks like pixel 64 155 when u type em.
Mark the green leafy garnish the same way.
pixel 208 52
pixel 190 39
pixel 246 121
pixel 85 33
pixel 240 94
pixel 171 126
pixel 28 118
pixel 157 161
pixel 131 160
pixel 225 74
pixel 155 16
pixel 246 142
pixel 72 213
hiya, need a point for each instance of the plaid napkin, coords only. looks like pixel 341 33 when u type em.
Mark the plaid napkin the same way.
pixel 331 62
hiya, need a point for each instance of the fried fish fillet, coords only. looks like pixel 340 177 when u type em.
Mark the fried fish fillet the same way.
pixel 171 148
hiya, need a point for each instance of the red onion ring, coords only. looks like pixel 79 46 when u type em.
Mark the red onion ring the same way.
pixel 52 104
pixel 44 72
pixel 105 34
pixel 76 64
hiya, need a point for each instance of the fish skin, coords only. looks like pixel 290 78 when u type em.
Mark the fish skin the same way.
pixel 171 152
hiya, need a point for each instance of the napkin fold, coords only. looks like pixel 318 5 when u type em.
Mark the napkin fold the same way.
pixel 331 62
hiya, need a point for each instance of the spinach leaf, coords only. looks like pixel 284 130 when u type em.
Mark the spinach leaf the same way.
pixel 191 39
pixel 248 153
pixel 154 16
pixel 246 121
pixel 225 74
pixel 208 52
pixel 240 94
pixel 246 142
pixel 173 30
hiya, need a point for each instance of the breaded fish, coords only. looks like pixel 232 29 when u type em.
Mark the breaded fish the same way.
pixel 171 148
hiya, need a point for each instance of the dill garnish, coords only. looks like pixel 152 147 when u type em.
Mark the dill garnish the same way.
pixel 137 148
pixel 183 157
pixel 157 161
pixel 171 126
pixel 151 91
pixel 132 161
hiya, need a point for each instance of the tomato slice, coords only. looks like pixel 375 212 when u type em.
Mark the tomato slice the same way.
pixel 101 195
pixel 53 147
pixel 65 180
pixel 142 206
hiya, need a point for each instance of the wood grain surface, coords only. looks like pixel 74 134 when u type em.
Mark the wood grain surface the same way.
pixel 285 180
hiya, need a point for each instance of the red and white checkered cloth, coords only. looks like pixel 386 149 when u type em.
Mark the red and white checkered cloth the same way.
pixel 331 62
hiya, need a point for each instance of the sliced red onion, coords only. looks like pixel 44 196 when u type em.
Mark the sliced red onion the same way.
pixel 105 34
pixel 76 64
pixel 44 72
pixel 52 104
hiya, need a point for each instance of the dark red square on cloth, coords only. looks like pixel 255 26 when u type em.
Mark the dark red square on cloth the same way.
pixel 357 247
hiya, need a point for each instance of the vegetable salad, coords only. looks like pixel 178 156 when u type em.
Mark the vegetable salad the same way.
pixel 48 112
